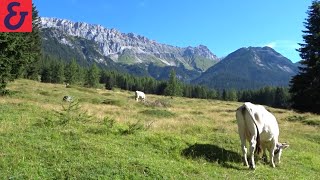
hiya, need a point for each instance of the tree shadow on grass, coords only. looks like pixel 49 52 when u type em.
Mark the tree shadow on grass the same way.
pixel 213 153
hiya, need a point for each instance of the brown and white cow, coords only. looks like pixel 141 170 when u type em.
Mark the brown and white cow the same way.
pixel 260 128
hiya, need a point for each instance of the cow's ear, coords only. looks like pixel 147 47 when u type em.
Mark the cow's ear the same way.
pixel 284 146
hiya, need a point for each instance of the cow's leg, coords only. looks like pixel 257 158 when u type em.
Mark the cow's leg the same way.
pixel 253 143
pixel 264 155
pixel 243 146
pixel 244 151
pixel 242 135
pixel 271 151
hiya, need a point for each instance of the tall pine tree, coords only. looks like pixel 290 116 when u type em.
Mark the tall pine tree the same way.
pixel 72 72
pixel 57 72
pixel 174 87
pixel 93 75
pixel 305 86
pixel 32 69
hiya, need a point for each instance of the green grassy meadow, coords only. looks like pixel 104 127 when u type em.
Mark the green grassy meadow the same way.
pixel 108 135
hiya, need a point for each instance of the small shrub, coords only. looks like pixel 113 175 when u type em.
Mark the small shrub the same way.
pixel 71 113
pixel 133 128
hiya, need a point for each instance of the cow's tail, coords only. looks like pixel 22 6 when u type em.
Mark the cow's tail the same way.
pixel 258 148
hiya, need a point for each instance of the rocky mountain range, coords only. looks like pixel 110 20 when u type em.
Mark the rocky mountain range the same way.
pixel 124 48
pixel 245 68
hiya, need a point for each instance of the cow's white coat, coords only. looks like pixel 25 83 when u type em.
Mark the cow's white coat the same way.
pixel 260 128
pixel 140 95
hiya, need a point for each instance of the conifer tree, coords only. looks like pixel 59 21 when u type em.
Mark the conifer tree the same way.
pixel 305 86
pixel 93 75
pixel 57 72
pixel 224 95
pixel 71 72
pixel 110 81
pixel 34 45
pixel 7 55
pixel 173 87
pixel 232 95
pixel 281 98
pixel 46 74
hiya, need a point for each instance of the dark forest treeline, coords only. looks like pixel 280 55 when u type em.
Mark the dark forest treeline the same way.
pixel 59 71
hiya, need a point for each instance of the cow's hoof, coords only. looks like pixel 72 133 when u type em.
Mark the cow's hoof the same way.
pixel 252 167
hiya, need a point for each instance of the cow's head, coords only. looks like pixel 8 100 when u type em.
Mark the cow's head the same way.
pixel 278 151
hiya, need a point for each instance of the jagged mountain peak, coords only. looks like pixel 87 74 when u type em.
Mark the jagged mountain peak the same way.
pixel 200 50
pixel 130 48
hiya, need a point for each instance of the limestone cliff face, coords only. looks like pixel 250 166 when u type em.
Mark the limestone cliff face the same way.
pixel 128 48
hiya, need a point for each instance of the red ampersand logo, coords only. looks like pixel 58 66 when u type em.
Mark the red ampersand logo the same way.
pixel 15 15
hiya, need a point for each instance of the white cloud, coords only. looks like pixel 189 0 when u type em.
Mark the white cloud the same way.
pixel 283 44
pixel 272 44
pixel 286 48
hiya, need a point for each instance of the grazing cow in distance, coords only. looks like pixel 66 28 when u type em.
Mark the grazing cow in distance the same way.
pixel 140 95
pixel 260 128
pixel 67 98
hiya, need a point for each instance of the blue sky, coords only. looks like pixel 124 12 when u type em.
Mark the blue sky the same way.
pixel 221 25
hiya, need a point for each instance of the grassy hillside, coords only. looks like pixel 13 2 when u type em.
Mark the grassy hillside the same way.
pixel 106 134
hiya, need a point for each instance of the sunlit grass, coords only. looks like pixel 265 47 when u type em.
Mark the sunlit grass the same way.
pixel 111 136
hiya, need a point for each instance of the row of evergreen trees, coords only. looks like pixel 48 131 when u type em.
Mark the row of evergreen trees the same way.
pixel 58 71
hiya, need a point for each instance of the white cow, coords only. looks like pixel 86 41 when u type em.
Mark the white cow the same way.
pixel 140 95
pixel 260 128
